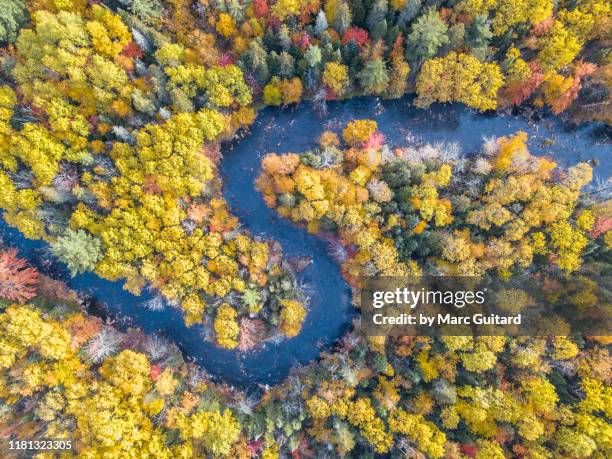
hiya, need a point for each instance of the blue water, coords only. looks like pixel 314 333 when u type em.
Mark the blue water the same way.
pixel 330 307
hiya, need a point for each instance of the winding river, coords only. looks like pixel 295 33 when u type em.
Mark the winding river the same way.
pixel 330 307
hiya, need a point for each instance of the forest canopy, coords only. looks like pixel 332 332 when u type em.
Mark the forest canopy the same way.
pixel 112 117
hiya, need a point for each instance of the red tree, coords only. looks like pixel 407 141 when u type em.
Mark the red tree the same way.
pixel 376 141
pixel 563 102
pixel 132 50
pixel 17 280
pixel 517 93
pixel 602 225
pixel 155 372
pixel 251 333
pixel 542 27
pixel 260 8
pixel 302 40
pixel 225 60
pixel 357 35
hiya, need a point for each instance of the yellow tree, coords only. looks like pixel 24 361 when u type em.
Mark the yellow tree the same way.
pixel 217 431
pixel 459 77
pixel 335 76
pixel 292 315
pixel 226 327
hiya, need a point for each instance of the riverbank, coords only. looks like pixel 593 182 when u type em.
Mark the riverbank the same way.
pixel 330 313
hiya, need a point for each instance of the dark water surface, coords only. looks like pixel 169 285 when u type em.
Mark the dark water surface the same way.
pixel 330 307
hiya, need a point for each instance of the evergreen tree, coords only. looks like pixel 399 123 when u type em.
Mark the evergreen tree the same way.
pixel 352 59
pixel 287 65
pixel 342 21
pixel 377 14
pixel 313 56
pixel 321 23
pixel 257 58
pixel 78 249
pixel 148 10
pixel 409 12
pixel 380 30
pixel 269 40
pixel 427 35
pixel 235 9
pixel 13 16
pixel 358 12
pixel 274 63
pixel 478 34
pixel 392 34
pixel 373 78
pixel 456 36
pixel 284 37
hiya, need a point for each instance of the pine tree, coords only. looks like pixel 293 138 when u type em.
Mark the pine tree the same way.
pixel 409 12
pixel 284 38
pixel 148 10
pixel 426 36
pixel 479 33
pixel 313 56
pixel 377 14
pixel 359 12
pixel 321 23
pixel 79 250
pixel 286 65
pixel 373 78
pixel 257 57
pixel 13 16
pixel 342 21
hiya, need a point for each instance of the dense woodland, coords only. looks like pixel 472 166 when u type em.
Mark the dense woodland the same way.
pixel 112 115
pixel 111 118
pixel 426 210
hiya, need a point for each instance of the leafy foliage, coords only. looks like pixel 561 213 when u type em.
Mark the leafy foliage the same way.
pixel 459 77
pixel 17 281
pixel 111 114
pixel 117 154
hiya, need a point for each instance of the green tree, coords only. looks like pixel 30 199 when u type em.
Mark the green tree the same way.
pixel 148 10
pixel 342 21
pixel 409 11
pixel 79 250
pixel 256 58
pixel 235 8
pixel 373 78
pixel 13 16
pixel 313 55
pixel 377 14
pixel 479 33
pixel 284 37
pixel 427 35
pixel 359 12
pixel 286 65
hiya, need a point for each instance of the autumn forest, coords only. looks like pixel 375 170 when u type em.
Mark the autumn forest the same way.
pixel 116 117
